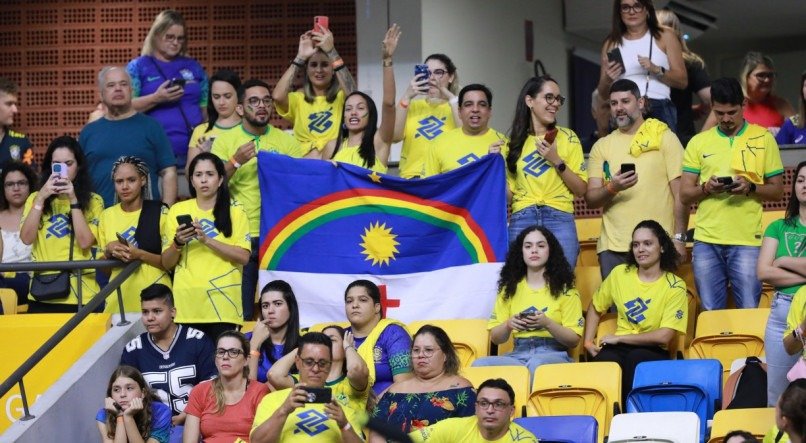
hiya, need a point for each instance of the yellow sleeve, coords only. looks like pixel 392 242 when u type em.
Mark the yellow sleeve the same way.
pixel 289 145
pixel 169 229
pixel 571 306
pixel 797 311
pixel 266 408
pixel 673 154
pixel 103 222
pixel 432 167
pixel 691 157
pixel 501 311
pixel 603 297
pixel 93 214
pixel 596 161
pixel 240 229
pixel 163 225
pixel 29 202
pixel 772 159
pixel 198 133
pixel 221 147
pixel 675 312
pixel 575 158
pixel 293 104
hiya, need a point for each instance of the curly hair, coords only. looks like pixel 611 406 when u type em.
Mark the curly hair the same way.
pixel 558 273
pixel 668 253
pixel 142 417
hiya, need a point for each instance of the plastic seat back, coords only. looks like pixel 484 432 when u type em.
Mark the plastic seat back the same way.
pixel 588 280
pixel 706 374
pixel 8 298
pixel 667 427
pixel 756 421
pixel 562 428
pixel 470 337
pixel 729 334
pixel 516 376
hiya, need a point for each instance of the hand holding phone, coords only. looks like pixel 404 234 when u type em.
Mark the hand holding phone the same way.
pixel 551 135
pixel 59 169
pixel 318 395
pixel 627 167
pixel 320 23
pixel 421 72
pixel 122 240
pixel 185 221
pixel 614 55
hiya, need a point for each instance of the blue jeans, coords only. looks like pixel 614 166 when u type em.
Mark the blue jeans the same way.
pixel 530 352
pixel 560 223
pixel 664 111
pixel 778 361
pixel 715 265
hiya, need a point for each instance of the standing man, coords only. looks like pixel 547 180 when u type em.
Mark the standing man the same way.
pixel 473 140
pixel 124 131
pixel 637 148
pixel 14 146
pixel 238 148
pixel 729 170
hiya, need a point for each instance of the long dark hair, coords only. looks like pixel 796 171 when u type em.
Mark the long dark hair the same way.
pixel 221 214
pixel 141 417
pixel 291 327
pixel 82 185
pixel 793 406
pixel 445 345
pixel 793 205
pixel 668 254
pixel 222 75
pixel 558 273
pixel 21 168
pixel 618 28
pixel 522 122
pixel 367 148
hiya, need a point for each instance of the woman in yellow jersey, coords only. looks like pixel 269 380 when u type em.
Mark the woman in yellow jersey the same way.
pixel 313 111
pixel 545 166
pixel 537 302
pixel 209 252
pixel 651 302
pixel 360 141
pixel 140 228
pixel 420 121
pixel 221 103
pixel 63 212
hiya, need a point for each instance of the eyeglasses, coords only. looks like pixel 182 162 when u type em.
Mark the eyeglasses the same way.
pixel 551 98
pixel 439 72
pixel 231 353
pixel 172 38
pixel 21 184
pixel 310 363
pixel 256 101
pixel 636 8
pixel 497 405
pixel 764 75
pixel 425 352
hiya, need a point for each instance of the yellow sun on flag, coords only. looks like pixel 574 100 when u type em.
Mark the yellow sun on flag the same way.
pixel 379 244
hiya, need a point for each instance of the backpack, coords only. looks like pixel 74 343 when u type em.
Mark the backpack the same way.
pixel 747 387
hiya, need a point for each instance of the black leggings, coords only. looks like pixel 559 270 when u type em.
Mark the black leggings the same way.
pixel 628 357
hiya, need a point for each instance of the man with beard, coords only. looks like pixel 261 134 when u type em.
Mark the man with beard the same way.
pixel 238 148
pixel 637 148
pixel 729 170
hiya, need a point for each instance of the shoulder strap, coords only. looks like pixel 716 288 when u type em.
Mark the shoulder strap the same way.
pixel 182 111
pixel 148 227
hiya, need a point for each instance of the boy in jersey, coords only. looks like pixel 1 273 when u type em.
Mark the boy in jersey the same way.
pixel 173 358
pixel 290 416
pixel 492 423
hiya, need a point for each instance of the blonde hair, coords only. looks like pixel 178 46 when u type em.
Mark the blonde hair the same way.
pixel 752 60
pixel 164 20
pixel 670 20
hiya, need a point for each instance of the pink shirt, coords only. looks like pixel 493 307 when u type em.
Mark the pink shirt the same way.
pixel 235 422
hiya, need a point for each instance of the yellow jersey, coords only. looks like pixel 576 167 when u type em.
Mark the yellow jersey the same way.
pixel 306 424
pixel 455 149
pixel 466 430
pixel 797 313
pixel 350 155
pixel 425 123
pixel 565 309
pixel 315 123
pixel 201 131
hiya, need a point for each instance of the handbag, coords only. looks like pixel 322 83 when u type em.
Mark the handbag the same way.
pixel 53 286
pixel 798 370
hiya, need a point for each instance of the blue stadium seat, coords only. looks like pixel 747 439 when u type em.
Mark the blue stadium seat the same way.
pixel 562 428
pixel 678 385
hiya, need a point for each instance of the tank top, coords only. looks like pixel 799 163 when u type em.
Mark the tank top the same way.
pixel 630 50
pixel 14 250
pixel 763 114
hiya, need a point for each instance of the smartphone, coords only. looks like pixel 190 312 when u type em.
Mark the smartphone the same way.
pixel 320 22
pixel 421 72
pixel 184 221
pixel 60 169
pixel 207 145
pixel 626 167
pixel 614 55
pixel 121 239
pixel 550 136
pixel 318 395
pixel 725 181
pixel 177 82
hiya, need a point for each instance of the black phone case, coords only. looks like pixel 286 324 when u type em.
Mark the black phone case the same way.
pixel 614 55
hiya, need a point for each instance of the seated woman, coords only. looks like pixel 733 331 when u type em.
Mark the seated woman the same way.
pixel 132 412
pixel 436 391
pixel 383 344
pixel 277 332
pixel 221 410
pixel 17 179
pixel 650 300
pixel 348 376
pixel 537 301
pixel 360 141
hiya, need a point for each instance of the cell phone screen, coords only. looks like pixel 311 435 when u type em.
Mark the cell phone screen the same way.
pixel 319 395
pixel 626 167
pixel 184 220
pixel 550 136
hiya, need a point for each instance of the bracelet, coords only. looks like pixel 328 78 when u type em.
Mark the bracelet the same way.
pixel 234 162
pixel 346 427
pixel 178 244
pixel 254 353
pixel 704 189
pixel 337 64
pixel 752 189
pixel 120 418
pixel 75 206
pixel 611 189
pixel 403 104
pixel 38 207
pixel 387 63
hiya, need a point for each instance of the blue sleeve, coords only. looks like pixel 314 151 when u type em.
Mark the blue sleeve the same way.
pixel 127 359
pixel 207 369
pixel 101 415
pixel 397 343
pixel 160 422
pixel 134 72
pixel 785 136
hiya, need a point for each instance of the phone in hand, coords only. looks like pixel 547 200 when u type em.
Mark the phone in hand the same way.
pixel 727 182
pixel 122 240
pixel 207 144
pixel 318 395
pixel 59 169
pixel 320 23
pixel 184 221
pixel 421 72
pixel 550 135
pixel 177 82
pixel 614 55
pixel 626 167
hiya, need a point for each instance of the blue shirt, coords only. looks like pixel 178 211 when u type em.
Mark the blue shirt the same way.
pixel 263 363
pixel 104 141
pixel 160 421
pixel 791 134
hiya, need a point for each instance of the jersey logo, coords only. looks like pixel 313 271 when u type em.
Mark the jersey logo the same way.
pixel 129 235
pixel 636 309
pixel 320 121
pixel 311 423
pixel 467 159
pixel 208 227
pixel 152 79
pixel 795 244
pixel 135 344
pixel 430 127
pixel 679 314
pixel 535 165
pixel 194 333
pixel 59 226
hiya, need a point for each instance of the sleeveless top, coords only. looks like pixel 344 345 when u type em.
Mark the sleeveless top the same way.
pixel 14 250
pixel 763 113
pixel 630 50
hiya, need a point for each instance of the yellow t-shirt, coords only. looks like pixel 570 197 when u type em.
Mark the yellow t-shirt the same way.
pixel 425 123
pixel 466 430
pixel 537 182
pixel 352 401
pixel 53 243
pixel 244 182
pixel 650 197
pixel 565 309
pixel 201 131
pixel 207 288
pixel 643 307
pixel 315 123
pixel 115 220
pixel 306 424
pixel 709 153
pixel 797 312
pixel 350 155
pixel 455 149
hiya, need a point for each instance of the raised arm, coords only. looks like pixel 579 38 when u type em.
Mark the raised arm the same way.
pixel 387 128
pixel 283 86
pixel 324 40
pixel 278 375
pixel 357 370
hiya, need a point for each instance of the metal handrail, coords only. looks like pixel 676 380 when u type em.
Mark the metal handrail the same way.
pixel 83 312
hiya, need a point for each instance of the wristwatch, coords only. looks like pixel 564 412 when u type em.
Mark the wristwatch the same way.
pixel 681 237
pixel 560 167
pixel 662 72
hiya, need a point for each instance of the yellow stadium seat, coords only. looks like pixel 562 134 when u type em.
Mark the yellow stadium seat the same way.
pixel 588 229
pixel 587 254
pixel 516 376
pixel 248 326
pixel 469 336
pixel 588 280
pixel 577 389
pixel 728 334
pixel 8 298
pixel 319 327
pixel 756 421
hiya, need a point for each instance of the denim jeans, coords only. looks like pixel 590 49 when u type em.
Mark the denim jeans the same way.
pixel 715 265
pixel 664 111
pixel 560 223
pixel 530 352
pixel 249 283
pixel 778 361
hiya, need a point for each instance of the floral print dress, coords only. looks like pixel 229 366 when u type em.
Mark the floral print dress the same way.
pixel 410 412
